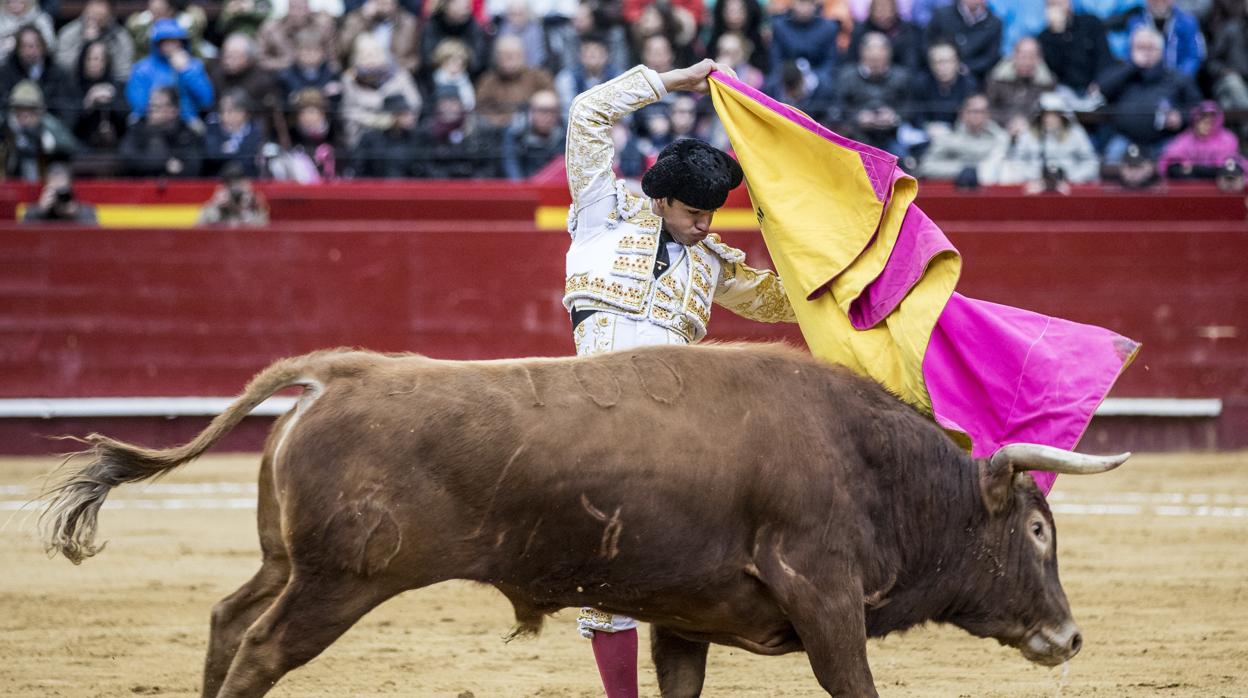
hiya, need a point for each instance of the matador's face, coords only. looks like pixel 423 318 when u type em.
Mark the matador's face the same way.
pixel 686 224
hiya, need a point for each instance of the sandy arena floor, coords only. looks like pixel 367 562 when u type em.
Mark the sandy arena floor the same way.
pixel 1154 559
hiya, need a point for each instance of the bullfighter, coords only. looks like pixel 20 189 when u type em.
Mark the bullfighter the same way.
pixel 644 270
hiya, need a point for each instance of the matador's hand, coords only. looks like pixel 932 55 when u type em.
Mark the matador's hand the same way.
pixel 693 78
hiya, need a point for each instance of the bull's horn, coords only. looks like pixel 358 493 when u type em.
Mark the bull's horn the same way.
pixel 1055 460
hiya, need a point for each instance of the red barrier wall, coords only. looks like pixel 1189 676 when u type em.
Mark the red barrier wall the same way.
pixel 90 313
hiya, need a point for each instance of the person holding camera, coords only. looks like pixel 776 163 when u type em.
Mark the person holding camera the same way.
pixel 57 202
pixel 234 203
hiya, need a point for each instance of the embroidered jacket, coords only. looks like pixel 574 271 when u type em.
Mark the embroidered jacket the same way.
pixel 615 234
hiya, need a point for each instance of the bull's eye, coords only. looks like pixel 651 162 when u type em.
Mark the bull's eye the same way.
pixel 1037 530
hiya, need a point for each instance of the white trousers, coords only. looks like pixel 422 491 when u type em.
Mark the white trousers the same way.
pixel 598 334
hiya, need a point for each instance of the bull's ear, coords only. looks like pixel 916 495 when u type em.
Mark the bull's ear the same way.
pixel 996 483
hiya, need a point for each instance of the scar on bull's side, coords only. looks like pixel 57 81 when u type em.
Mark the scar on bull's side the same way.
pixel 599 384
pixel 368 528
pixel 610 545
pixel 498 483
pixel 532 534
pixel 661 389
pixel 528 375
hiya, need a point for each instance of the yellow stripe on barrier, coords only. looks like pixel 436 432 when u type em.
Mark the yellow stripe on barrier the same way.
pixel 140 215
pixel 556 218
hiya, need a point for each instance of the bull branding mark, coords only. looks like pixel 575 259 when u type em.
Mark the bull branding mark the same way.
pixel 610 545
pixel 599 384
pixel 368 529
pixel 660 388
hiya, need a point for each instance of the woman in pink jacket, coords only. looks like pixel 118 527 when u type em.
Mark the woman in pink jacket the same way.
pixel 1202 150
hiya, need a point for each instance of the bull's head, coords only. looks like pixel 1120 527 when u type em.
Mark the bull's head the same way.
pixel 1029 608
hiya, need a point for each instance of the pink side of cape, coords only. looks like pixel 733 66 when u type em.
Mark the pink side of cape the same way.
pixel 1000 374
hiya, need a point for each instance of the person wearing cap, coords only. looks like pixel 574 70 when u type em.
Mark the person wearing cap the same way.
pixel 32 138
pixel 170 64
pixel 455 143
pixel 392 151
pixel 644 270
pixel 1203 149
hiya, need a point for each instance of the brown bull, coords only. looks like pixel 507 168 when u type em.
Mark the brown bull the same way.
pixel 741 495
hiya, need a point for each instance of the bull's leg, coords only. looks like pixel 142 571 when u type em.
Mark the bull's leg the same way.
pixel 680 663
pixel 827 612
pixel 234 614
pixel 315 608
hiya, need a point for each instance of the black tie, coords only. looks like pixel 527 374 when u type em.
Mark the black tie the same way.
pixel 662 260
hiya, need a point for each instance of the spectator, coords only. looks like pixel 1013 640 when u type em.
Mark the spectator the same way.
pixel 242 17
pixel 312 68
pixel 1201 151
pixel 1136 170
pixel 31 62
pixel 1230 178
pixel 33 138
pixel 392 27
pixel 391 152
pixel 921 11
pixel 906 39
pixel 1184 45
pixel 957 154
pixel 591 69
pixel 450 60
pixel 795 90
pixel 1228 59
pixel 161 144
pixel 454 144
pixel 687 118
pixel 234 203
pixel 237 69
pixel 191 18
pixel 665 21
pixel 281 37
pixel 505 88
pixel 530 144
pixel 16 14
pixel 592 19
pixel 1019 18
pixel 518 21
pixel 232 136
pixel 744 18
pixel 808 41
pixel 652 131
pixel 693 10
pixel 657 53
pixel 974 29
pixel 1016 83
pixel 170 64
pixel 453 19
pixel 308 157
pixel 1054 150
pixel 102 119
pixel 1146 98
pixel 96 23
pixel 833 10
pixel 734 50
pixel 57 202
pixel 1074 46
pixel 871 93
pixel 940 92
pixel 365 87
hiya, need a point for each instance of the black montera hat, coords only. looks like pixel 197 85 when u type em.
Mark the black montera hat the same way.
pixel 694 172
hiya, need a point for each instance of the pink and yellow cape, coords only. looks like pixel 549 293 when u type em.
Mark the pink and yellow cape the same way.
pixel 871 279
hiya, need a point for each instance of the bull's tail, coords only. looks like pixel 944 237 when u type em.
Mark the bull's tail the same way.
pixel 68 523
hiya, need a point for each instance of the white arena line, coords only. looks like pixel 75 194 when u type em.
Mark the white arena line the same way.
pixel 206 503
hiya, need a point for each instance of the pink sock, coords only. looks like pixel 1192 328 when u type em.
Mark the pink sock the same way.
pixel 616 654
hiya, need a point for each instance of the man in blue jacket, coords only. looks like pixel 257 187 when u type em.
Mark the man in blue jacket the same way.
pixel 1184 44
pixel 170 64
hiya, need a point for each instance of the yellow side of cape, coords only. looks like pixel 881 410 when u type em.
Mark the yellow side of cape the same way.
pixel 829 237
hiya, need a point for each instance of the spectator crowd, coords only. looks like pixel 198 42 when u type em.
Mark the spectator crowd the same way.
pixel 1041 93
